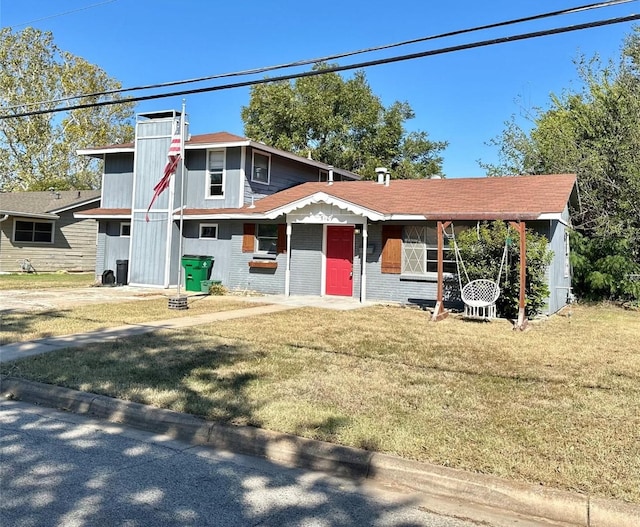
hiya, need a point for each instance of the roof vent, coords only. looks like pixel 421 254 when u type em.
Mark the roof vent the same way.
pixel 436 176
pixel 381 171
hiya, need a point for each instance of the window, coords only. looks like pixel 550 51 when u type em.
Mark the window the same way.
pixel 267 236
pixel 125 229
pixel 209 231
pixel 215 171
pixel 261 165
pixel 33 231
pixel 324 175
pixel 420 251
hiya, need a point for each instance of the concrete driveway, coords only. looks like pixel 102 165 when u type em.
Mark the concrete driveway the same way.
pixel 46 299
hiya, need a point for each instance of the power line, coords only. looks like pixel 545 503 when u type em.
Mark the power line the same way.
pixel 61 14
pixel 306 62
pixel 312 73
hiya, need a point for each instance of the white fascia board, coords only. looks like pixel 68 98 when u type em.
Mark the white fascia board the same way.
pixel 81 216
pixel 69 207
pixel 205 146
pixel 44 216
pixel 102 151
pixel 406 217
pixel 323 197
pixel 239 216
pixel 557 216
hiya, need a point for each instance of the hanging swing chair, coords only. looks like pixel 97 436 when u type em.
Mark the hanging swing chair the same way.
pixel 479 296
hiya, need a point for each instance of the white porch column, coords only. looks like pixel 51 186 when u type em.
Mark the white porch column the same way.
pixel 287 275
pixel 363 278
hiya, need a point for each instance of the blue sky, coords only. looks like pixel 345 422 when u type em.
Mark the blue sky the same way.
pixel 463 97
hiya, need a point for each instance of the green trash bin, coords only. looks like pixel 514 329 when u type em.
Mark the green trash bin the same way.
pixel 196 269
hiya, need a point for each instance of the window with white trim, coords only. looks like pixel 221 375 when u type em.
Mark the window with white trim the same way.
pixel 125 229
pixel 216 160
pixel 208 231
pixel 267 238
pixel 420 251
pixel 260 171
pixel 33 231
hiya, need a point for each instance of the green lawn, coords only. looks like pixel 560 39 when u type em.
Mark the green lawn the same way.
pixel 557 405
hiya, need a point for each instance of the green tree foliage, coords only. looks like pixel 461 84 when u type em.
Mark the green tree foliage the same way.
pixel 342 123
pixel 38 152
pixel 481 251
pixel 594 133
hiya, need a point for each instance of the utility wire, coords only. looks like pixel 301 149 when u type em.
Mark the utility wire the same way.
pixel 312 73
pixel 61 14
pixel 327 58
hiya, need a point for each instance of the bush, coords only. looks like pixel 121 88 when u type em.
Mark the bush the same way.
pixel 604 268
pixel 217 289
pixel 482 250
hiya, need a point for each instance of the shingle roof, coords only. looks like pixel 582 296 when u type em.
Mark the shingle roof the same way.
pixel 517 197
pixel 44 202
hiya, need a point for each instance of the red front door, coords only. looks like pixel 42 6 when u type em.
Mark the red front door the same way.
pixel 340 261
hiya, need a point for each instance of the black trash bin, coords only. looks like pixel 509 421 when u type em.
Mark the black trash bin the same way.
pixel 122 272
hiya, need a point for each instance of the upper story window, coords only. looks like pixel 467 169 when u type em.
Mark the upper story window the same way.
pixel 208 231
pixel 125 229
pixel 261 169
pixel 215 173
pixel 33 231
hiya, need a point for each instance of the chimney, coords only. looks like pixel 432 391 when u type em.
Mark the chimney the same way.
pixel 330 177
pixel 381 171
pixel 387 179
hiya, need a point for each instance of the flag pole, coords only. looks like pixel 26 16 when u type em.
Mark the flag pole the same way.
pixel 182 178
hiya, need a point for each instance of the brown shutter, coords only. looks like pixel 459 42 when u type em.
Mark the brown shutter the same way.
pixel 281 246
pixel 391 249
pixel 249 238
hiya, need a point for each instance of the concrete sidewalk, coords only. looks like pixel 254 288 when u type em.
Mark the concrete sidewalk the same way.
pixel 18 350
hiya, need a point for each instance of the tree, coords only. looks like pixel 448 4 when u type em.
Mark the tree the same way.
pixel 342 123
pixel 38 152
pixel 594 133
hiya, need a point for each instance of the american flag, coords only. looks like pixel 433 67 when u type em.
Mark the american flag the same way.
pixel 169 169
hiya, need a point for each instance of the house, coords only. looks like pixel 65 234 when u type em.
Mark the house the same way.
pixel 40 227
pixel 282 224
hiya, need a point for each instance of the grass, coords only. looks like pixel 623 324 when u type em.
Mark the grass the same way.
pixel 45 280
pixel 558 405
pixel 25 326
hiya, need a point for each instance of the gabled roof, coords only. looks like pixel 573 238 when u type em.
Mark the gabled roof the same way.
pixel 219 140
pixel 45 204
pixel 516 197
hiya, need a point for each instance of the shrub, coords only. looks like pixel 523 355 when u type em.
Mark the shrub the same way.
pixel 482 250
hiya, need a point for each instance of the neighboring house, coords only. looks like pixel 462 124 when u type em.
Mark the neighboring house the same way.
pixel 40 227
pixel 282 224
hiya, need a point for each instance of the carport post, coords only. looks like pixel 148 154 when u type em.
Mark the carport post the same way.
pixel 363 263
pixel 439 312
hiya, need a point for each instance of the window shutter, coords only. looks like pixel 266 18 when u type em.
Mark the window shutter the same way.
pixel 249 238
pixel 391 249
pixel 281 246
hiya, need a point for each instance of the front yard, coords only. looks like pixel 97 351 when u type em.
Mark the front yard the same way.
pixel 558 405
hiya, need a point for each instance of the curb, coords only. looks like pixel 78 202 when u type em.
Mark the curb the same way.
pixel 446 490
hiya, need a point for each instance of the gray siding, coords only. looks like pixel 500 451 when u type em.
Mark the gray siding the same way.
pixel 306 260
pixel 117 181
pixel 197 180
pixel 285 173
pixel 558 283
pixel 219 250
pixel 241 277
pixel 114 246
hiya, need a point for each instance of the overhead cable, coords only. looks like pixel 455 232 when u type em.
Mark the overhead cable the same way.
pixel 332 69
pixel 306 62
